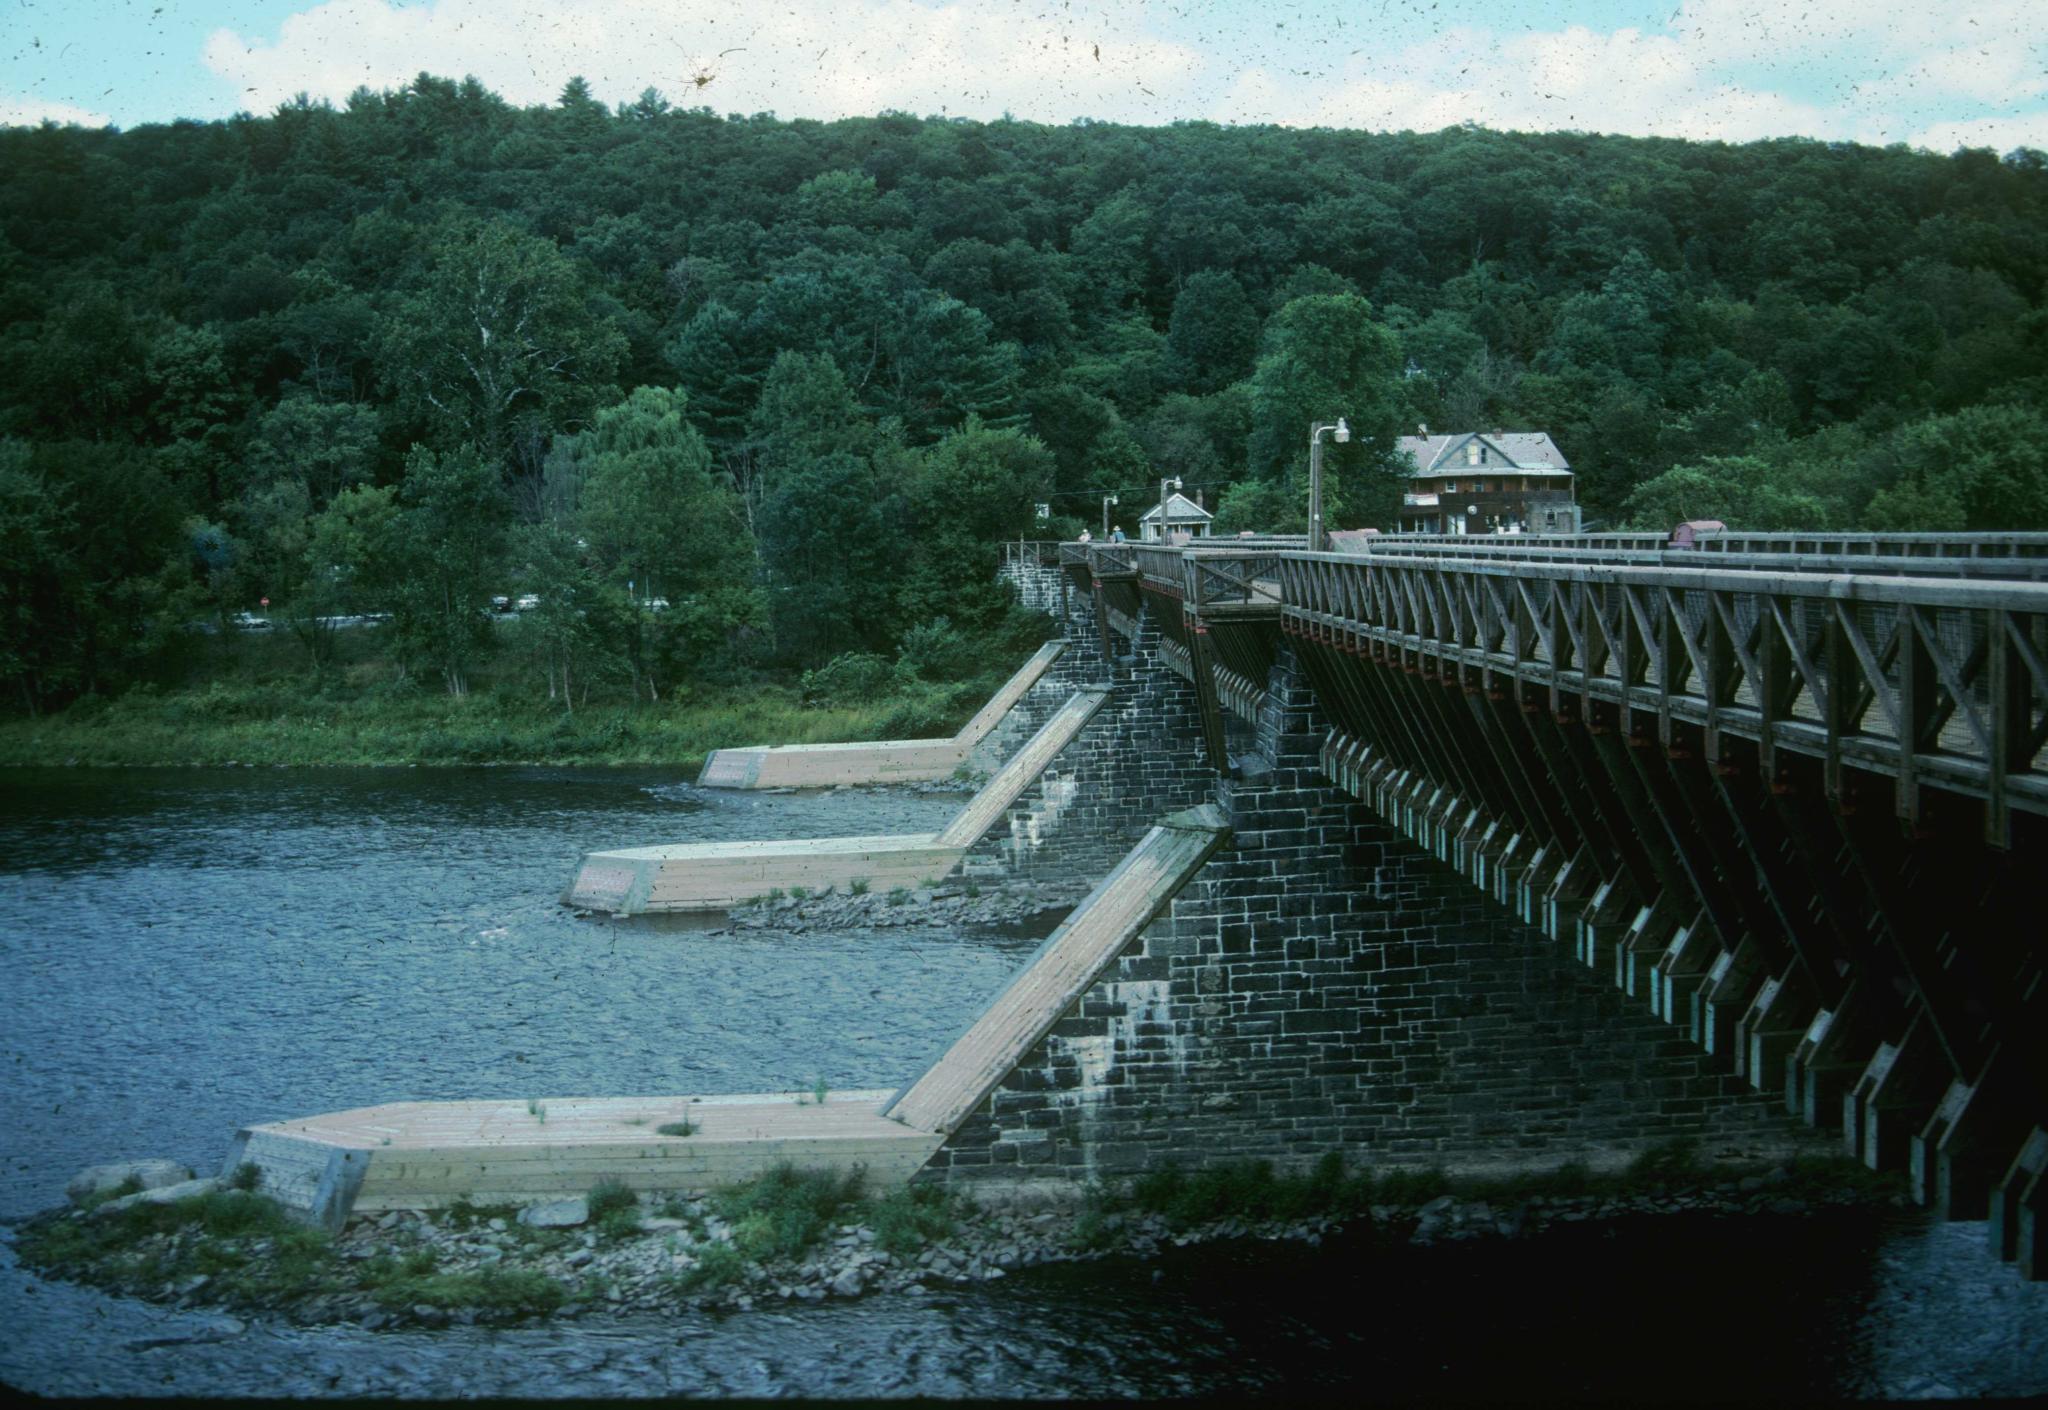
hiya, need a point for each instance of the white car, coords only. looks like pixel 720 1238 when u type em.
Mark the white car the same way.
pixel 655 604
pixel 525 603
pixel 249 622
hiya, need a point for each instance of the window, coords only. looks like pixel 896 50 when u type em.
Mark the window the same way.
pixel 1472 452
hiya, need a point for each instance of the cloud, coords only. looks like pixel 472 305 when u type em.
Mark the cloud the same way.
pixel 2001 133
pixel 33 112
pixel 802 58
pixel 1732 70
pixel 1576 78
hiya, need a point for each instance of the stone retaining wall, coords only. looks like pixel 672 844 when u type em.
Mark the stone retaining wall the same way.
pixel 1325 985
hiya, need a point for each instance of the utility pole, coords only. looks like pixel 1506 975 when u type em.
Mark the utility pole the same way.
pixel 1318 540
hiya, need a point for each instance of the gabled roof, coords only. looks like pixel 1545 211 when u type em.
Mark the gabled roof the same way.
pixel 1523 450
pixel 1178 508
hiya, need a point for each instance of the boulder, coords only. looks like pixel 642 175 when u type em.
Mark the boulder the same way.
pixel 162 1194
pixel 556 1214
pixel 147 1174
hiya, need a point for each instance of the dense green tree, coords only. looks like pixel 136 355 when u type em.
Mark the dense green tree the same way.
pixel 1325 357
pixel 450 552
pixel 965 495
pixel 1213 333
pixel 664 532
pixel 249 318
pixel 497 333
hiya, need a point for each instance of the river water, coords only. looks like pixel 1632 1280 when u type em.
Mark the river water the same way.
pixel 183 952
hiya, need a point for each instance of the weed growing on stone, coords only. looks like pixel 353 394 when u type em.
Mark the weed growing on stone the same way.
pixel 908 1219
pixel 614 1210
pixel 246 1177
pixel 538 1110
pixel 973 890
pixel 774 895
pixel 685 1127
pixel 214 1236
pixel 1407 1185
pixel 516 1291
pixel 717 1266
pixel 819 1091
pixel 786 1211
pixel 859 886
pixel 799 893
pixel 899 895
pixel 1667 1162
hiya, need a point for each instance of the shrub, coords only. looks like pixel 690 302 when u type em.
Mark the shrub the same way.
pixel 786 1211
pixel 935 651
pixel 905 1221
pixel 856 678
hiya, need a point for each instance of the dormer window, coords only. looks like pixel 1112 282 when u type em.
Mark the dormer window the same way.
pixel 1472 452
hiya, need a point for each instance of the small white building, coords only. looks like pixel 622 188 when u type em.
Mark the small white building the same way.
pixel 1183 516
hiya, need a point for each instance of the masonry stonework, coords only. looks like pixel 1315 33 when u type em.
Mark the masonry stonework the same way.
pixel 1139 758
pixel 1325 985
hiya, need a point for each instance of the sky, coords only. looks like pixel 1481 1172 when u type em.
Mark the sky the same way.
pixel 1926 73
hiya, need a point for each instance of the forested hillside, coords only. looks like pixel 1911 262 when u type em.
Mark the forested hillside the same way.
pixel 792 378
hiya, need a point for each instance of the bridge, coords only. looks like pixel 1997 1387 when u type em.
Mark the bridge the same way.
pixel 1786 792
pixel 1490 854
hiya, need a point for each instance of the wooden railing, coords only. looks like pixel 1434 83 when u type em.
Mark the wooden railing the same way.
pixel 2013 560
pixel 1935 680
pixel 1947 546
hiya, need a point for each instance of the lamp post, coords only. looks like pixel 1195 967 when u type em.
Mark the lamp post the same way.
pixel 1164 481
pixel 1317 540
pixel 1107 500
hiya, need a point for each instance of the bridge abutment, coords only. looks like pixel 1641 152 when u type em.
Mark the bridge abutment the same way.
pixel 1326 985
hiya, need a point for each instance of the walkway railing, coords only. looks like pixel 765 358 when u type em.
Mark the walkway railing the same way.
pixel 1936 680
pixel 1920 656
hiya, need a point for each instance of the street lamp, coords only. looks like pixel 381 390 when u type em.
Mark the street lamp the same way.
pixel 1107 500
pixel 1317 541
pixel 1164 481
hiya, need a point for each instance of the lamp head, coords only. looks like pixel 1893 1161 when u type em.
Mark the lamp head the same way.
pixel 1343 431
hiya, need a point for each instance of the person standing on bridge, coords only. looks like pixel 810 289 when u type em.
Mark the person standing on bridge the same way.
pixel 1086 537
pixel 1116 535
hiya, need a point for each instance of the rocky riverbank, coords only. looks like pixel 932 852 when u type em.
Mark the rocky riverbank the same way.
pixel 951 904
pixel 798 1236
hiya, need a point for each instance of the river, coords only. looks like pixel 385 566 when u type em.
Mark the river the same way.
pixel 183 952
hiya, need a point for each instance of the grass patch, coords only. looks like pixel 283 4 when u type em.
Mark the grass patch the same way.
pixel 717 1266
pixel 261 708
pixel 799 893
pixel 859 886
pixel 785 1212
pixel 685 1127
pixel 614 1210
pixel 512 1291
pixel 899 895
pixel 906 1220
pixel 215 1235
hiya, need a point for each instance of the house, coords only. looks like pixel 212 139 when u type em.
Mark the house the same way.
pixel 1183 516
pixel 1492 482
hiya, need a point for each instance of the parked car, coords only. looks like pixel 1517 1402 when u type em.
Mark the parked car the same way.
pixel 655 604
pixel 526 602
pixel 501 604
pixel 249 622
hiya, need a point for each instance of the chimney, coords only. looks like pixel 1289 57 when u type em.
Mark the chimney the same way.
pixel 1198 498
pixel 1422 428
